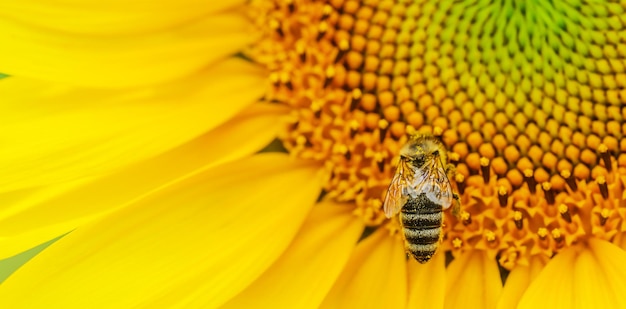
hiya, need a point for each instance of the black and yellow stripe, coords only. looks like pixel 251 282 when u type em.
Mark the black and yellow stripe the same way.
pixel 421 224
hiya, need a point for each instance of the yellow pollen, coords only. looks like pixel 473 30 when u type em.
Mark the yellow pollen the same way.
pixel 548 192
pixel 274 24
pixel 330 72
pixel 340 148
pixel 490 235
pixel 354 124
pixel 323 27
pixel 327 10
pixel 533 149
pixel 274 77
pixel 437 131
pixel 502 196
pixel 605 213
pixel 457 243
pixel 300 47
pixel 383 124
pixel 604 190
pixel 301 140
pixel 459 178
pixel 284 77
pixel 502 190
pixel 316 105
pixel 484 162
pixel 528 173
pixel 379 157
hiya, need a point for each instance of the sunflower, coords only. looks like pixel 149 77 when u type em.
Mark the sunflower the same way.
pixel 140 132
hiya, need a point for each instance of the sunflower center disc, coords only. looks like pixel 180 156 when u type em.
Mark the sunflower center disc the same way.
pixel 528 97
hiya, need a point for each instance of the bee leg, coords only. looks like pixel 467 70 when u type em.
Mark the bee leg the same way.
pixel 456 207
pixel 450 170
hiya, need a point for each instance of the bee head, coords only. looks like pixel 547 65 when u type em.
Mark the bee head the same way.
pixel 416 160
pixel 422 149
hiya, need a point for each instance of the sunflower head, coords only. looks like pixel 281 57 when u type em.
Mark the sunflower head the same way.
pixel 526 96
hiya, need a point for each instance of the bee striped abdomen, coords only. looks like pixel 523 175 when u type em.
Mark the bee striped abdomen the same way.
pixel 421 224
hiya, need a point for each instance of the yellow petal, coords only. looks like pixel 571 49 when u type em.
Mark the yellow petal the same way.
pixel 427 283
pixel 620 240
pixel 517 282
pixel 375 276
pixel 473 281
pixel 610 263
pixel 591 290
pixel 589 276
pixel 43 214
pixel 554 286
pixel 120 61
pixel 304 274
pixel 109 16
pixel 51 134
pixel 220 229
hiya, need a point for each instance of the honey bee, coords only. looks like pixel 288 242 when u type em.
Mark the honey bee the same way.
pixel 420 190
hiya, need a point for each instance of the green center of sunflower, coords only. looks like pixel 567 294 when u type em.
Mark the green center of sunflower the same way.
pixel 528 97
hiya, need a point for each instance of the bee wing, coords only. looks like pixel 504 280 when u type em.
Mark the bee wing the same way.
pixel 435 183
pixel 395 198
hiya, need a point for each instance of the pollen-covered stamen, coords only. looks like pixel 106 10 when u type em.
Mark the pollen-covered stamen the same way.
pixel 604 189
pixel 549 193
pixel 569 179
pixel 355 99
pixel 606 157
pixel 604 216
pixel 453 157
pixel 542 232
pixel 326 11
pixel 502 196
pixel 301 50
pixel 490 236
pixel 343 48
pixel 460 182
pixel 484 167
pixel 276 26
pixel 274 78
pixel 437 131
pixel 518 217
pixel 291 5
pixel 466 217
pixel 383 126
pixel 286 80
pixel 321 30
pixel 565 214
pixel 316 107
pixel 457 243
pixel 379 158
pixel 557 235
pixel 530 180
pixel 354 128
pixel 330 74
pixel 341 149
